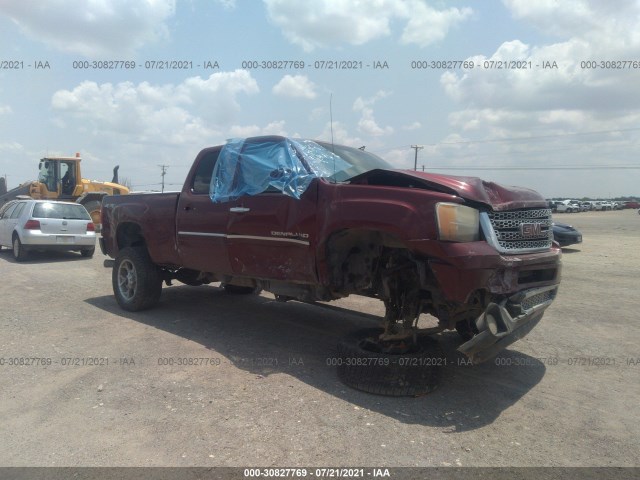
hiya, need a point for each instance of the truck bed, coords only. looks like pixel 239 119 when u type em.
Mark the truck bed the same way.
pixel 153 214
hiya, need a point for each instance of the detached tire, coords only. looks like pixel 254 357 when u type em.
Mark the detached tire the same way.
pixel 136 280
pixel 397 375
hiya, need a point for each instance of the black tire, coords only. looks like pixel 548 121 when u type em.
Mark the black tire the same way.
pixel 136 280
pixel 19 252
pixel 94 209
pixel 88 252
pixel 397 375
pixel 237 290
pixel 466 329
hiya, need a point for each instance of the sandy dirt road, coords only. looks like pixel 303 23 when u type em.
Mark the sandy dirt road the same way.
pixel 107 389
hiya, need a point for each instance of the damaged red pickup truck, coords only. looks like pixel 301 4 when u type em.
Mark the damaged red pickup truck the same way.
pixel 313 221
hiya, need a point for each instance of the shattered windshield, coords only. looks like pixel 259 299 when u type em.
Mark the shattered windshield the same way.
pixel 359 161
pixel 253 165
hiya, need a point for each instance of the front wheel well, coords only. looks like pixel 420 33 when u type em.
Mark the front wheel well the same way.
pixel 354 258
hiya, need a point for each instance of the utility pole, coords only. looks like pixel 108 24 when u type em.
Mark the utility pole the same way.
pixel 416 148
pixel 164 172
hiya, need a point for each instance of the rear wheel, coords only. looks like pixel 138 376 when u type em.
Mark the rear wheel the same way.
pixel 88 252
pixel 136 280
pixel 94 209
pixel 364 364
pixel 19 252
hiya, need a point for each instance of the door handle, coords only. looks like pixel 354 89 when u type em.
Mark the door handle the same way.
pixel 239 209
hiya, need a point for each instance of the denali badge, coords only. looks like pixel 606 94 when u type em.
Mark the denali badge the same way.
pixel 531 229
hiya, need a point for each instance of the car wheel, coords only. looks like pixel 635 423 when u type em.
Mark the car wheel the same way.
pixel 88 252
pixel 137 283
pixel 94 209
pixel 19 252
pixel 415 372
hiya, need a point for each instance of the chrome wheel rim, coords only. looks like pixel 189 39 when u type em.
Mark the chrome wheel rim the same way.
pixel 127 279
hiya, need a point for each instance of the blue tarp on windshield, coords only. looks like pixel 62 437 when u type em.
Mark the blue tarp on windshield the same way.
pixel 249 167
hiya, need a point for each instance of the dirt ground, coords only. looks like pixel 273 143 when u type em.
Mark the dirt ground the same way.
pixel 103 387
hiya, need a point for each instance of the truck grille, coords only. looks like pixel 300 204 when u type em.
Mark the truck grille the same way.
pixel 538 299
pixel 519 231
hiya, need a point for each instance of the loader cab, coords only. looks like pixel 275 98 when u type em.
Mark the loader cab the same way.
pixel 59 177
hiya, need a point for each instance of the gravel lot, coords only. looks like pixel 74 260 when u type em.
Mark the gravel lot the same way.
pixel 263 395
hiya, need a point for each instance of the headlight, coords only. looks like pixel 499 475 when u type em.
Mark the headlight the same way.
pixel 457 223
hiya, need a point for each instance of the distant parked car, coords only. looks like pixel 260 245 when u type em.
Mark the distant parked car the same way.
pixel 606 205
pixel 585 206
pixel 631 204
pixel 27 225
pixel 565 234
pixel 567 206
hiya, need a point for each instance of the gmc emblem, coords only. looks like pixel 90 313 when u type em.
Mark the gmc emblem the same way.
pixel 531 229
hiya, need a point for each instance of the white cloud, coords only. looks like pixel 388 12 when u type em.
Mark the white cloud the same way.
pixel 11 147
pixel 298 86
pixel 327 23
pixel 550 104
pixel 412 126
pixel 339 133
pixel 427 25
pixel 228 4
pixel 195 110
pixel 94 28
pixel 273 128
pixel 5 110
pixel 367 124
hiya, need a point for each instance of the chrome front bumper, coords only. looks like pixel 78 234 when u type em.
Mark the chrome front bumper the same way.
pixel 502 324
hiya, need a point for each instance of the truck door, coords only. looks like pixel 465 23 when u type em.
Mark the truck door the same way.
pixel 200 223
pixel 272 235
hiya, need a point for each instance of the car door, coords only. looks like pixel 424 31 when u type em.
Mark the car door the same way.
pixel 12 220
pixel 200 223
pixel 6 225
pixel 271 235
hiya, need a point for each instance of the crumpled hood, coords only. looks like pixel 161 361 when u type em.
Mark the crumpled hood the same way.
pixel 498 197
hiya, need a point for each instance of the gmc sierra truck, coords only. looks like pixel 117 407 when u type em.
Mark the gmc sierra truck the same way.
pixel 313 221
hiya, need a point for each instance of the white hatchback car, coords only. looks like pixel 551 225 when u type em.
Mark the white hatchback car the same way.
pixel 46 225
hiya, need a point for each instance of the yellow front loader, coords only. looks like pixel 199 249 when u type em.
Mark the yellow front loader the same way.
pixel 60 178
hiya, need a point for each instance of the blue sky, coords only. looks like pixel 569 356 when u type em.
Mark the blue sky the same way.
pixel 567 131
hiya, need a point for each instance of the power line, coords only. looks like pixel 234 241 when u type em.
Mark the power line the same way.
pixel 523 139
pixel 548 167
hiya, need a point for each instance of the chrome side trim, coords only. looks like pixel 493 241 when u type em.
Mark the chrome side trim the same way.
pixel 202 234
pixel 248 237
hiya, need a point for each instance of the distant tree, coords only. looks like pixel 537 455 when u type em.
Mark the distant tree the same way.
pixel 126 182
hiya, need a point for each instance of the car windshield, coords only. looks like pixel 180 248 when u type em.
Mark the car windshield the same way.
pixel 67 211
pixel 360 161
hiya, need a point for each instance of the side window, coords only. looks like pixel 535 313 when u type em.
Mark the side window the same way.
pixel 202 177
pixel 68 180
pixel 7 213
pixel 18 210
